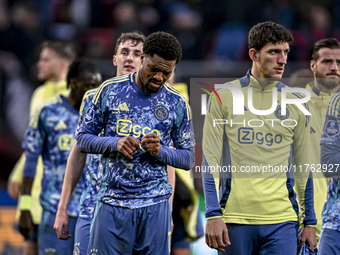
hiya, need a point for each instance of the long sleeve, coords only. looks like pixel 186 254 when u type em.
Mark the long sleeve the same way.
pixel 303 176
pixel 212 152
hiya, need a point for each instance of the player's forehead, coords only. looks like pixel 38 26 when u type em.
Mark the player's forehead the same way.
pixel 48 53
pixel 327 53
pixel 157 62
pixel 281 46
pixel 89 75
pixel 130 45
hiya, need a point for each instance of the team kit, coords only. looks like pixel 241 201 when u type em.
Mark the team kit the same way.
pixel 270 154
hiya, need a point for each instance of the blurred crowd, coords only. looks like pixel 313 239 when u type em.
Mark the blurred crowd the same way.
pixel 211 30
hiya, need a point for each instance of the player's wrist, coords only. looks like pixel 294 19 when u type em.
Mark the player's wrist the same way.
pixel 62 207
pixel 25 202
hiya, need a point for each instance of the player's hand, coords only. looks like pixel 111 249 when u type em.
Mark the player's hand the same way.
pixel 25 224
pixel 61 221
pixel 150 142
pixel 128 145
pixel 308 236
pixel 13 189
pixel 215 233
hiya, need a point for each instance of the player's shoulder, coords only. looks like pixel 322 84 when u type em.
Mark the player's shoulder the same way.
pixel 174 94
pixel 116 81
pixel 89 94
pixel 113 84
pixel 333 106
pixel 46 108
pixel 38 93
pixel 50 103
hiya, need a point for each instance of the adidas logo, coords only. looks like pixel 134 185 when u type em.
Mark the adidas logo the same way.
pixel 60 125
pixel 123 107
pixel 312 131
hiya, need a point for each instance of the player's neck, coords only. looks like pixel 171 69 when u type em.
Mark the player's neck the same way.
pixel 138 81
pixel 58 78
pixel 72 101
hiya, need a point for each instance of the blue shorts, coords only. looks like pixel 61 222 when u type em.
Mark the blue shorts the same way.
pixel 48 241
pixel 120 230
pixel 278 239
pixel 82 236
pixel 329 243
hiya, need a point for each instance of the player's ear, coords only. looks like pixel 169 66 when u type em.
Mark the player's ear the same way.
pixel 253 55
pixel 142 58
pixel 73 84
pixel 114 60
pixel 312 65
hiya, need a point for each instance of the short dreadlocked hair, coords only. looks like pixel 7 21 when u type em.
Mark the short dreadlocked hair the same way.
pixel 265 32
pixel 136 37
pixel 163 45
pixel 79 67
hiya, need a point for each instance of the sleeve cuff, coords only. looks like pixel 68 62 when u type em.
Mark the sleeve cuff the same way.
pixel 215 217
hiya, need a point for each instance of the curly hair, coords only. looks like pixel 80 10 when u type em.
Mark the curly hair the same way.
pixel 79 67
pixel 163 45
pixel 265 32
pixel 330 43
pixel 136 37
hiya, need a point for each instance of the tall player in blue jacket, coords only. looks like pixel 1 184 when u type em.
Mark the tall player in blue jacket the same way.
pixel 50 134
pixel 140 115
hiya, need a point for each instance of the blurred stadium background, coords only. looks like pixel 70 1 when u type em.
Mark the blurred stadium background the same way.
pixel 213 34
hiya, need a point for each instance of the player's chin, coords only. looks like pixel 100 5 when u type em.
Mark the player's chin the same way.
pixel 153 88
pixel 277 76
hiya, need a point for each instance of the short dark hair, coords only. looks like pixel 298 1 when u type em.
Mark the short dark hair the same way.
pixel 62 48
pixel 330 43
pixel 78 67
pixel 136 37
pixel 265 32
pixel 164 45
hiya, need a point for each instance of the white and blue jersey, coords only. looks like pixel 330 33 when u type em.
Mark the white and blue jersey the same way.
pixel 120 108
pixel 50 134
pixel 330 161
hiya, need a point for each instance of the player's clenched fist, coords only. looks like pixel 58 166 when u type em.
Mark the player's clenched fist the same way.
pixel 150 142
pixel 128 146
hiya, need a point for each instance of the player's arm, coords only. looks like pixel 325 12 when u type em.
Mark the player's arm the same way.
pixel 74 169
pixel 212 145
pixel 94 122
pixel 183 138
pixel 15 178
pixel 330 160
pixel 25 221
pixel 330 141
pixel 33 144
pixel 304 180
pixel 172 182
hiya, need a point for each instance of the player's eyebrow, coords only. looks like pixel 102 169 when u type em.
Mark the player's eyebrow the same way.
pixel 128 49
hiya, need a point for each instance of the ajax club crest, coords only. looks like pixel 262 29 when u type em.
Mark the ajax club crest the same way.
pixel 278 113
pixel 161 113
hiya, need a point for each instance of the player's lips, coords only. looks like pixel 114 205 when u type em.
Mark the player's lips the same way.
pixel 279 69
pixel 127 67
pixel 155 85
